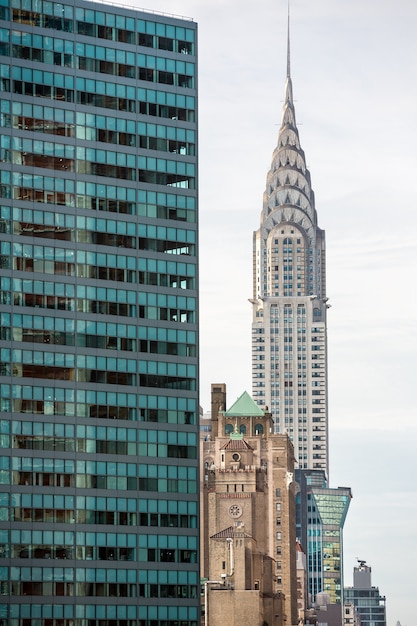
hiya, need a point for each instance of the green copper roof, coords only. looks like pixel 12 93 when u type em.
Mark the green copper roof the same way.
pixel 244 407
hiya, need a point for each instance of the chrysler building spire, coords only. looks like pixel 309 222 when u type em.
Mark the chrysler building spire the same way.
pixel 289 298
pixel 288 94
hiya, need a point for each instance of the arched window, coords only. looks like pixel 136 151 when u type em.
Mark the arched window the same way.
pixel 228 429
pixel 259 429
pixel 242 429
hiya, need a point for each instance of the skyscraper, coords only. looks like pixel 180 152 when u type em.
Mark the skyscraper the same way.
pixel 98 271
pixel 289 334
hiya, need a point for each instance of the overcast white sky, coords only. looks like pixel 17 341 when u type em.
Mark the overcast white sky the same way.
pixel 354 70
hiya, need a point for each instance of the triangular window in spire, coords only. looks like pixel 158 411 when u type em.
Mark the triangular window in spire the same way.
pixel 288 199
pixel 287 180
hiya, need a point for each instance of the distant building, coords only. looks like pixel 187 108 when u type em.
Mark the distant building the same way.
pixel 205 425
pixel 302 595
pixel 248 517
pixel 321 514
pixel 366 598
pixel 326 613
pixel 351 615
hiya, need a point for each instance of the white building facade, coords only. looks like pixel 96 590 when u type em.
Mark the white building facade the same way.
pixel 289 330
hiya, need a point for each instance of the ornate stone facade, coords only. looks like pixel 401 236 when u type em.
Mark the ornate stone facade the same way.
pixel 248 513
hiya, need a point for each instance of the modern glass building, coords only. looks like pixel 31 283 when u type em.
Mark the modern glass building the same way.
pixel 321 513
pixel 98 343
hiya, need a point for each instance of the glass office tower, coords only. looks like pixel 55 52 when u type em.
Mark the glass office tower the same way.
pixel 321 513
pixel 98 270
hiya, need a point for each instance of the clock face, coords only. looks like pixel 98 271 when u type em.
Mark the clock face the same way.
pixel 235 510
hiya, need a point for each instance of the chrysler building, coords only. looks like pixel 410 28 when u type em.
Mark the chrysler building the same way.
pixel 289 335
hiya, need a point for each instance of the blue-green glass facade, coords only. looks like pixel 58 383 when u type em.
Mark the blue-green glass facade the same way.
pixel 99 316
pixel 321 513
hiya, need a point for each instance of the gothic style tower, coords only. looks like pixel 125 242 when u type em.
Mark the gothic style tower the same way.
pixel 289 338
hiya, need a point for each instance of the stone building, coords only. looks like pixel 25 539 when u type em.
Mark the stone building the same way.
pixel 302 585
pixel 248 517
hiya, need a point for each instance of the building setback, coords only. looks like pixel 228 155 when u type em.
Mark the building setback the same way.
pixel 289 332
pixel 98 343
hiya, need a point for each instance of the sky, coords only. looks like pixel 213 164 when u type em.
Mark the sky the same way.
pixel 354 72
